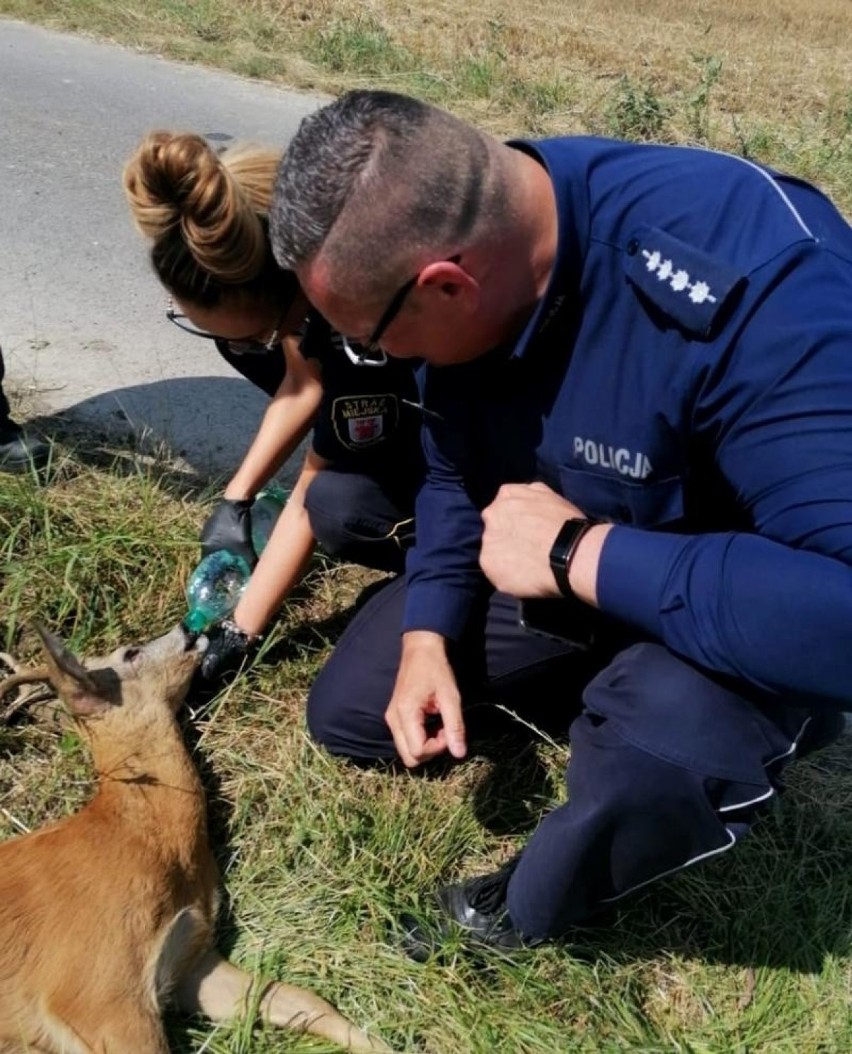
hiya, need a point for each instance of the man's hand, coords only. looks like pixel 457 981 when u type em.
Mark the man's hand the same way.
pixel 424 714
pixel 229 527
pixel 521 525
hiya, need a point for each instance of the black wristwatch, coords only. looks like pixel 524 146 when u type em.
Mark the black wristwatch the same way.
pixel 563 549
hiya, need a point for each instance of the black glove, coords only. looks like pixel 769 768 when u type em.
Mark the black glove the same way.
pixel 228 647
pixel 229 527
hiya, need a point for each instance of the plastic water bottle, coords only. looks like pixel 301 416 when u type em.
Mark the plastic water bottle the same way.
pixel 265 511
pixel 214 588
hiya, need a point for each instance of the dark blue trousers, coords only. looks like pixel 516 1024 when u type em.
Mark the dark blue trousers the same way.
pixel 364 519
pixel 668 767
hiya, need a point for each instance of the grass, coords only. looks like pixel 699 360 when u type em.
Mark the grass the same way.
pixel 749 954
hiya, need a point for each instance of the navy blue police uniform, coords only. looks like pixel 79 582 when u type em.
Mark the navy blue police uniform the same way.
pixel 687 376
pixel 367 429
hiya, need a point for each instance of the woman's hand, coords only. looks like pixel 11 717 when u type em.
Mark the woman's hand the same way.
pixel 229 527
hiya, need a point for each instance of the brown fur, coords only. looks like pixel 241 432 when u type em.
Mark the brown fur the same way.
pixel 106 914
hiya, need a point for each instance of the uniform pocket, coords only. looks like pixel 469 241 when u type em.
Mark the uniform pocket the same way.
pixel 651 503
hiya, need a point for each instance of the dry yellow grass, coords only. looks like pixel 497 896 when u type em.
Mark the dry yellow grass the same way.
pixel 772 80
pixel 783 59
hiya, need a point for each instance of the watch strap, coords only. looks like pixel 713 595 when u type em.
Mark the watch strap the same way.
pixel 563 549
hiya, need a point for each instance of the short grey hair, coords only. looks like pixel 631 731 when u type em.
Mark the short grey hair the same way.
pixel 375 180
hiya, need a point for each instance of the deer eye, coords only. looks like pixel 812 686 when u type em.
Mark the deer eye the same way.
pixel 130 654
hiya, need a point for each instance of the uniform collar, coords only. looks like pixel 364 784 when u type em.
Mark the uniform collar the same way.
pixel 571 211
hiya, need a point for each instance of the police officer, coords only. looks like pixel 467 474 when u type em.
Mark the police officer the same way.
pixel 19 452
pixel 204 212
pixel 640 403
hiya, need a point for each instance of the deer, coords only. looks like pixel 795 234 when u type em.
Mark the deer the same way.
pixel 108 914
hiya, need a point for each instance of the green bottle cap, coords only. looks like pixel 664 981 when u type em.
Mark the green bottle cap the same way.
pixel 196 621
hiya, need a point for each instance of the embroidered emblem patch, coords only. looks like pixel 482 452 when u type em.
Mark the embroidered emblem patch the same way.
pixel 363 420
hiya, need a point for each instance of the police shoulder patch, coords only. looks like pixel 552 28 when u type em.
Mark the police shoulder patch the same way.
pixel 692 287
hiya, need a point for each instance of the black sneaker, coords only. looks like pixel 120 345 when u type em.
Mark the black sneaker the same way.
pixel 475 909
pixel 20 452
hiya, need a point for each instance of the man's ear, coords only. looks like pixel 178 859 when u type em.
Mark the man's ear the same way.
pixel 72 681
pixel 449 278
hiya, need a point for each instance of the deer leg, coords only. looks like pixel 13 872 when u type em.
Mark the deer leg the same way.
pixel 219 990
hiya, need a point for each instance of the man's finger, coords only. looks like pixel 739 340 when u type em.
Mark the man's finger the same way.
pixel 454 730
pixel 433 747
pixel 509 490
pixel 392 721
pixel 413 735
pixel 407 759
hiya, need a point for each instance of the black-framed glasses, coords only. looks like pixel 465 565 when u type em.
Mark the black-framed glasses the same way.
pixel 395 306
pixel 236 347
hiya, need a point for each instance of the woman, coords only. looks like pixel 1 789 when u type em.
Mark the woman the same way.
pixel 205 213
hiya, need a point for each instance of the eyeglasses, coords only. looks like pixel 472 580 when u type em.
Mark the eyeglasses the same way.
pixel 360 354
pixel 236 347
pixel 394 308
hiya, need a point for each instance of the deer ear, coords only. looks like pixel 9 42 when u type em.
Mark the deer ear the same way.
pixel 70 677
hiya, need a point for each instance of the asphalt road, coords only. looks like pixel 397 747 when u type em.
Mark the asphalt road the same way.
pixel 82 321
